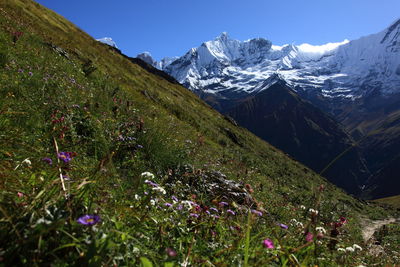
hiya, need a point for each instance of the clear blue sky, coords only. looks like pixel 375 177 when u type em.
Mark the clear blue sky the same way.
pixel 172 27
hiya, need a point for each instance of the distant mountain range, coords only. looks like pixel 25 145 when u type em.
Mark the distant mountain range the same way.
pixel 313 102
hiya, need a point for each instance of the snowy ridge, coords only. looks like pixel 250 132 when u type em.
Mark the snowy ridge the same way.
pixel 107 40
pixel 348 69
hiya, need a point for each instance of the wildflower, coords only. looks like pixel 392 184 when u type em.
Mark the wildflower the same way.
pixel 259 213
pixel 152 202
pixel 168 205
pixel 148 175
pixel 283 226
pixel 268 243
pixel 30 73
pixel 231 212
pixel 309 237
pixel 89 219
pixel 214 209
pixel 174 198
pixel 159 189
pixel 223 203
pixel 20 70
pixel 343 220
pixel 170 252
pixel 313 211
pixel 75 106
pixel 321 230
pixel 137 197
pixel 355 246
pixel 188 204
pixel 180 207
pixel 65 156
pixel 19 194
pixel 27 162
pixel 194 215
pixel 350 249
pixel 48 160
pixel 150 183
pixel 341 250
pixel 302 207
pixel 299 224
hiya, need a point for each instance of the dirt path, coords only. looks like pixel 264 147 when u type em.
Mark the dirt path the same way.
pixel 370 227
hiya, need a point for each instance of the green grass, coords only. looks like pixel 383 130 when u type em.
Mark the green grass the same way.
pixel 120 121
pixel 393 201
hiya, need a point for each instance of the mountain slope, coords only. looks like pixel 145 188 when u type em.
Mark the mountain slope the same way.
pixel 103 162
pixel 279 116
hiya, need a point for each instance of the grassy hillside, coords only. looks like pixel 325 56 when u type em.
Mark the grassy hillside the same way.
pixel 85 131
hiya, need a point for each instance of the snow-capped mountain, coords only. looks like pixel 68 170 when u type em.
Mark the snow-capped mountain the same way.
pixel 108 40
pixel 346 70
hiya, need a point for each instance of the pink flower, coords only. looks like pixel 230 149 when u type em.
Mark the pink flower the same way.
pixel 309 237
pixel 19 194
pixel 171 252
pixel 268 243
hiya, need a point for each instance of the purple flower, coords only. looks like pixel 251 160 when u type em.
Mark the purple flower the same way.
pixel 180 207
pixel 30 73
pixel 231 212
pixel 309 237
pixel 65 156
pixel 259 213
pixel 170 252
pixel 151 183
pixel 194 215
pixel 283 226
pixel 268 243
pixel 168 205
pixel 48 160
pixel 174 198
pixel 208 212
pixel 214 209
pixel 139 146
pixel 89 219
pixel 223 203
pixel 20 70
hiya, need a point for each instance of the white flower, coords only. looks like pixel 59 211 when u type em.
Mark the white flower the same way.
pixel 355 246
pixel 187 203
pixel 350 249
pixel 299 224
pixel 152 202
pixel 341 250
pixel 137 197
pixel 159 189
pixel 313 211
pixel 27 162
pixel 302 207
pixel 321 230
pixel 148 175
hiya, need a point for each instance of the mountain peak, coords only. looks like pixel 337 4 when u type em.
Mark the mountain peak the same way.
pixel 223 37
pixel 146 57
